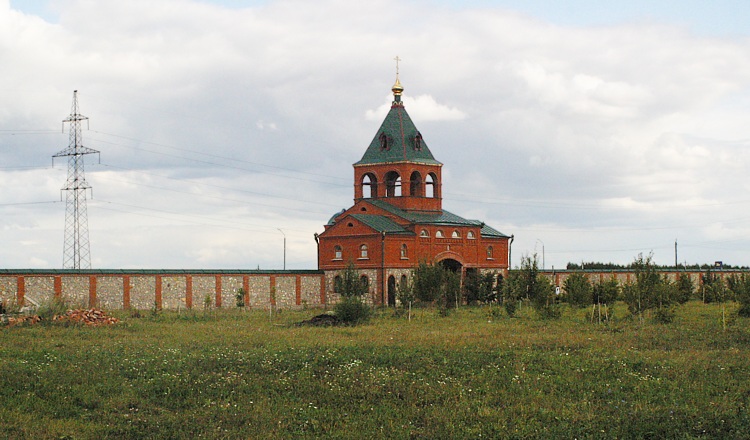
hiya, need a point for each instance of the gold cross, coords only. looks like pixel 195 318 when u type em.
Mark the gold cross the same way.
pixel 397 59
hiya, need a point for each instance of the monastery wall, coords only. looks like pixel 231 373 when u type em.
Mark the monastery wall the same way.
pixel 174 290
pixel 168 290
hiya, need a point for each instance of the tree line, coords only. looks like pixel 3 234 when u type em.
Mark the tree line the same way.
pixel 650 294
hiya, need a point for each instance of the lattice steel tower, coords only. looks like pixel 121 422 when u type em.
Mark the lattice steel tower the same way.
pixel 76 247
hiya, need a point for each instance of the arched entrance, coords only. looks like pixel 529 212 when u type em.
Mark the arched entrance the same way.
pixel 391 290
pixel 452 265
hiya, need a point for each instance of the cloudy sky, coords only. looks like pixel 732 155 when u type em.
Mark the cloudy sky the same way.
pixel 590 132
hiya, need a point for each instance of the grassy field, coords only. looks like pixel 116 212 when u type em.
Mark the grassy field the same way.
pixel 473 374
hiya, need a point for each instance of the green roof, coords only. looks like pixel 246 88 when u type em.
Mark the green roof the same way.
pixel 442 218
pixel 381 223
pixel 397 140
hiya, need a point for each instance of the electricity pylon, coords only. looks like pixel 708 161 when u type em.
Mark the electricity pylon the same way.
pixel 76 253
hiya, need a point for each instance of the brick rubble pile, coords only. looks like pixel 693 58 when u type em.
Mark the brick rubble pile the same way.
pixel 80 316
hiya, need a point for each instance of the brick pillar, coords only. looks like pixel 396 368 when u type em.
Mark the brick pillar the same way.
pixel 272 293
pixel 323 289
pixel 20 290
pixel 92 291
pixel 246 288
pixel 126 292
pixel 157 294
pixel 298 289
pixel 58 287
pixel 218 291
pixel 189 291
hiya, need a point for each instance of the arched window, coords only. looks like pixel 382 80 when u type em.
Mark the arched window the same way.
pixel 455 234
pixel 418 141
pixel 383 139
pixel 337 252
pixel 470 235
pixel 365 283
pixel 490 252
pixel 392 184
pixel 404 251
pixel 363 251
pixel 431 185
pixel 404 280
pixel 415 185
pixel 369 186
pixel 337 284
pixel 424 233
pixel 439 234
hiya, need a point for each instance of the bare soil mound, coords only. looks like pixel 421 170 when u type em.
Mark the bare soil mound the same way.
pixel 324 320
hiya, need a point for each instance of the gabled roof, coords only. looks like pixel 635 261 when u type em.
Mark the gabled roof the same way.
pixel 442 218
pixel 381 223
pixel 397 140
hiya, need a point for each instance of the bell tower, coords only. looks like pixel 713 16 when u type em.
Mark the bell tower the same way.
pixel 398 167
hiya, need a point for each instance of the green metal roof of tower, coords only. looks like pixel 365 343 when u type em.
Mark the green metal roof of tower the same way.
pixel 398 139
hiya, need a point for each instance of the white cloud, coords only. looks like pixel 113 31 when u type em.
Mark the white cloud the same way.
pixel 639 126
pixel 423 108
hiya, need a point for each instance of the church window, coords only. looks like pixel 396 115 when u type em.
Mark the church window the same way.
pixel 363 251
pixel 404 252
pixel 404 280
pixel 439 234
pixel 392 184
pixel 415 185
pixel 470 235
pixel 456 234
pixel 423 233
pixel 490 253
pixel 431 185
pixel 418 141
pixel 383 138
pixel 365 282
pixel 369 186
pixel 337 252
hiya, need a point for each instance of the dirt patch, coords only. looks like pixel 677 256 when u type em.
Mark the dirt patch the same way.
pixel 324 320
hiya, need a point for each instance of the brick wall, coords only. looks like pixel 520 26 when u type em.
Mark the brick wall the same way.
pixel 168 290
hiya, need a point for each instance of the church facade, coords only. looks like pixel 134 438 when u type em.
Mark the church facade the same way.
pixel 398 220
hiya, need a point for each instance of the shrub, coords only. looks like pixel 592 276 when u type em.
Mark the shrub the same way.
pixel 239 297
pixel 352 310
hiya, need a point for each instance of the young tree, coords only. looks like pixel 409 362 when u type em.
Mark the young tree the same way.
pixel 685 287
pixel 511 292
pixel 604 294
pixel 740 287
pixel 712 287
pixel 606 291
pixel 650 291
pixel 537 288
pixel 479 287
pixel 436 284
pixel 350 308
pixel 578 290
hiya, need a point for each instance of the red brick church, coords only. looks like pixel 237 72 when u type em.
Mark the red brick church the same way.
pixel 398 218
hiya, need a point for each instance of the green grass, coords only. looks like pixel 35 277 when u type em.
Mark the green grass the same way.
pixel 231 374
